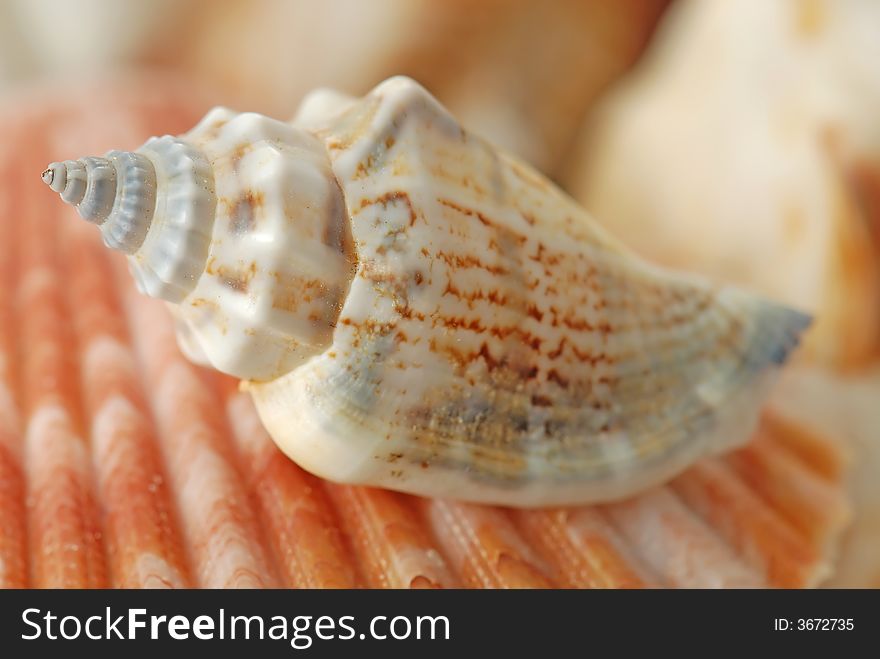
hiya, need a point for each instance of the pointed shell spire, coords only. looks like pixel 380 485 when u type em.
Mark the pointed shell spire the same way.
pixel 240 223
pixel 121 192
pixel 120 187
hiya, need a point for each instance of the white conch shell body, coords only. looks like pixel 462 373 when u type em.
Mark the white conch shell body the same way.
pixel 748 133
pixel 416 310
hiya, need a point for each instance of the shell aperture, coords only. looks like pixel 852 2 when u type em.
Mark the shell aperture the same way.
pixel 414 309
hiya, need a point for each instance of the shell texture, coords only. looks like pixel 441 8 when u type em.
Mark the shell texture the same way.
pixel 123 464
pixel 413 308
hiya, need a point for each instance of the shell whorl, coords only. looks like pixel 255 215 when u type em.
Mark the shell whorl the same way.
pixel 167 183
pixel 116 192
pixel 240 223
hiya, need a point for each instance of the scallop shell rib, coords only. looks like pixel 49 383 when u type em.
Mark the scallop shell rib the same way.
pixel 13 540
pixel 847 406
pixel 64 525
pixel 311 533
pixel 494 343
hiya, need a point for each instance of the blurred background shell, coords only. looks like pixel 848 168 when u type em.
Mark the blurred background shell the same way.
pixel 504 67
pixel 747 147
pixel 686 146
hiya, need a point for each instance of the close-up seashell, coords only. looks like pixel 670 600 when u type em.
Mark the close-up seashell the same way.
pixel 412 308
pixel 123 464
pixel 749 131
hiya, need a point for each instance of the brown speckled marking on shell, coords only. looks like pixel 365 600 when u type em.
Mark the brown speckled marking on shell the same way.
pixel 272 219
pixel 243 212
pixel 494 339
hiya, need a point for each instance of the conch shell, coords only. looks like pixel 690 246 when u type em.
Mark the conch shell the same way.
pixel 414 309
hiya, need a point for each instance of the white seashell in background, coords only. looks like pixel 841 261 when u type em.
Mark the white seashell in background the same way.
pixel 750 133
pixel 56 38
pixel 417 310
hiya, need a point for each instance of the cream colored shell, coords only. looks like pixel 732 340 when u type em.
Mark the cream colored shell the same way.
pixel 414 309
pixel 747 148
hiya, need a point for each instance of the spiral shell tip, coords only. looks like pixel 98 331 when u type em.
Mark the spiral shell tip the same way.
pixel 55 176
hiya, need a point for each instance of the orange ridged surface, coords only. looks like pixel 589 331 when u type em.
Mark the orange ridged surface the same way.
pixel 13 520
pixel 66 547
pixel 215 506
pixel 582 549
pixel 391 543
pixel 759 534
pixel 803 494
pixel 294 510
pixel 677 545
pixel 141 469
pixel 144 545
pixel 813 451
pixel 484 546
